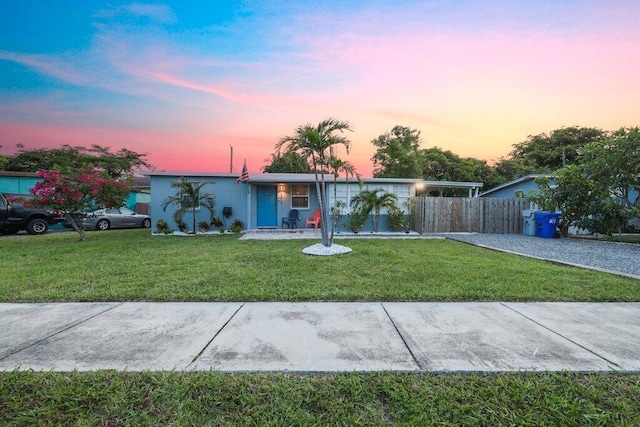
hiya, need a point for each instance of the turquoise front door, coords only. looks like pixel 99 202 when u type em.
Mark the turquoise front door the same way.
pixel 267 207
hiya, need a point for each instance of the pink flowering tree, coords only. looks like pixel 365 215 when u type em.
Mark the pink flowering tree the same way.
pixel 76 194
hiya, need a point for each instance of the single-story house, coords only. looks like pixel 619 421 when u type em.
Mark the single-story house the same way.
pixel 266 198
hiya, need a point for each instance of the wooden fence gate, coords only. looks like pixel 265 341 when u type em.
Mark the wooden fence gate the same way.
pixel 458 214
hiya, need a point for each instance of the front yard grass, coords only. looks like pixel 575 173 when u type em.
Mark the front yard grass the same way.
pixel 107 398
pixel 132 265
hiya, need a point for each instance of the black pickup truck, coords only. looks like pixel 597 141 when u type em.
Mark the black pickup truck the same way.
pixel 15 217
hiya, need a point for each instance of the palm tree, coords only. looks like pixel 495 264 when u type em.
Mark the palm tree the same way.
pixel 336 166
pixel 316 144
pixel 189 197
pixel 369 201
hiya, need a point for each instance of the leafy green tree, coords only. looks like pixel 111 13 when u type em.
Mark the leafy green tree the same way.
pixel 372 201
pixel 573 194
pixel 444 165
pixel 397 154
pixel 317 145
pixel 507 169
pixel 548 152
pixel 3 160
pixel 616 160
pixel 189 196
pixel 584 199
pixel 288 162
pixel 69 160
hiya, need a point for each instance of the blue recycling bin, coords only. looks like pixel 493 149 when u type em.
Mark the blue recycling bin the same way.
pixel 546 223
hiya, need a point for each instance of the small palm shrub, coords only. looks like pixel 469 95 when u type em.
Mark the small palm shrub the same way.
pixel 161 225
pixel 396 219
pixel 237 226
pixel 356 220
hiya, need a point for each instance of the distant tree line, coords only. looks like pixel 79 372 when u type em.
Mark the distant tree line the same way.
pixel 68 160
pixel 399 155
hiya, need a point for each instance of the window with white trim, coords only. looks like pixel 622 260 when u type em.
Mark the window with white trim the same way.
pixel 299 196
pixel 187 202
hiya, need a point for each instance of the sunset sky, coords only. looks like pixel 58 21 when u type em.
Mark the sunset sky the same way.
pixel 183 81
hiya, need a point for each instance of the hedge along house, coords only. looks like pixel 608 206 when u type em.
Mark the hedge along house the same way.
pixel 265 199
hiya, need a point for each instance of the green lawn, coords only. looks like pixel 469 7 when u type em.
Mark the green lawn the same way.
pixel 107 398
pixel 132 265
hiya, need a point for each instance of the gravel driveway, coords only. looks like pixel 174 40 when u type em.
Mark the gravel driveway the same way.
pixel 610 256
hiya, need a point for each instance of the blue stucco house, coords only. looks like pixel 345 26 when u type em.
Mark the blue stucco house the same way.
pixel 266 198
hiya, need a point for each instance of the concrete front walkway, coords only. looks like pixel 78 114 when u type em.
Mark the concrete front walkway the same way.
pixel 321 337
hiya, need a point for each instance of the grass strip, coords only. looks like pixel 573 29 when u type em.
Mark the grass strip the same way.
pixel 132 265
pixel 108 398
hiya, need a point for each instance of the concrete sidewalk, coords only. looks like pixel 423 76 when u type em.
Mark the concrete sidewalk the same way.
pixel 321 337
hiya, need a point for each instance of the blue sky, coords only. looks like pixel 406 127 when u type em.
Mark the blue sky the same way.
pixel 182 81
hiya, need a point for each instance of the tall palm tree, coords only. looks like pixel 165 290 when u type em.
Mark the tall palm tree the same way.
pixel 369 201
pixel 188 197
pixel 316 144
pixel 337 166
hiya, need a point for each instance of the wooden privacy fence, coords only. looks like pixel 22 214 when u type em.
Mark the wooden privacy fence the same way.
pixel 458 214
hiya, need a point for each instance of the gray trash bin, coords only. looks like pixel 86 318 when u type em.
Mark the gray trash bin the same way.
pixel 529 226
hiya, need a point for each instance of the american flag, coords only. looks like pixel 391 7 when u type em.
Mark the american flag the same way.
pixel 244 176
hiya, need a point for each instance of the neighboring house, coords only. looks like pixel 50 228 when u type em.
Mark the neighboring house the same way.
pixel 18 184
pixel 508 190
pixel 140 197
pixel 265 199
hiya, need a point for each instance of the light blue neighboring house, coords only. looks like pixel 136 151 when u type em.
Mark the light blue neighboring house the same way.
pixel 266 198
pixel 508 190
pixel 18 184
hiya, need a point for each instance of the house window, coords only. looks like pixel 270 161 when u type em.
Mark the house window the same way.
pixel 300 196
pixel 187 201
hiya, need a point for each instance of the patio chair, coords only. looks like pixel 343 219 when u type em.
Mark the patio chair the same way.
pixel 313 220
pixel 291 220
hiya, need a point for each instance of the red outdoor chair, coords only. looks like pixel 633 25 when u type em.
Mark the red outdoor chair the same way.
pixel 314 220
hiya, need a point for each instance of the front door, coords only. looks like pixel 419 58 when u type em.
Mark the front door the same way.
pixel 267 207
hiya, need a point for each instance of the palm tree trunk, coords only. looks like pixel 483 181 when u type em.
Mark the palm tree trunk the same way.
pixel 333 218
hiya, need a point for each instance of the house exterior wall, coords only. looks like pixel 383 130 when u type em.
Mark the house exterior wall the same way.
pixel 346 190
pixel 136 198
pixel 226 192
pixel 18 185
